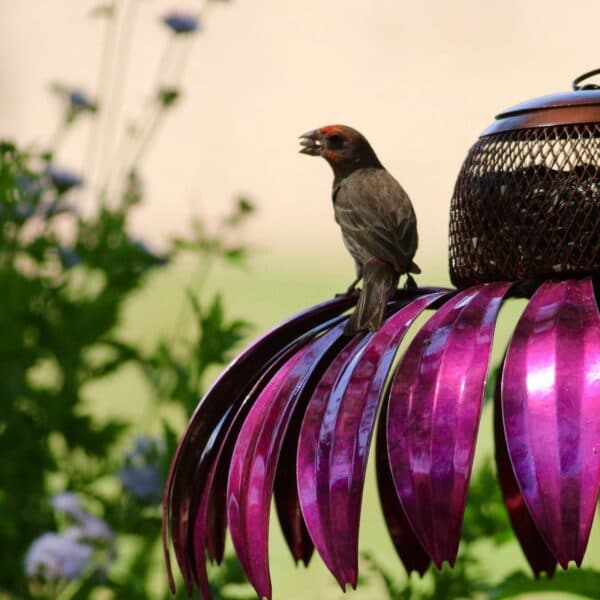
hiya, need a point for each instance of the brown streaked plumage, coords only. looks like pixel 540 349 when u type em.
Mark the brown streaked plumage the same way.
pixel 378 223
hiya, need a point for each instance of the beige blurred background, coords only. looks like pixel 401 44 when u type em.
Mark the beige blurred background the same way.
pixel 420 79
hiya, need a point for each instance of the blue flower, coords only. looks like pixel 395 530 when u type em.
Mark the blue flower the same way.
pixel 89 528
pixel 68 503
pixel 28 185
pixel 63 180
pixel 80 101
pixel 69 257
pixel 180 23
pixel 144 483
pixel 96 530
pixel 140 476
pixel 53 557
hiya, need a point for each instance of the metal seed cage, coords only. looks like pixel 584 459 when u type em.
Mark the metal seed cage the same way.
pixel 526 205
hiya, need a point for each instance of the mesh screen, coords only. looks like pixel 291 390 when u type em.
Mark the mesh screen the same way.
pixel 527 206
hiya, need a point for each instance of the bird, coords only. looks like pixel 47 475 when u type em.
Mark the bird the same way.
pixel 376 216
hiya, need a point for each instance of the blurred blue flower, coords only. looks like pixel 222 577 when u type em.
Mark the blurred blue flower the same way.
pixel 79 100
pixel 96 530
pixel 68 503
pixel 28 185
pixel 88 527
pixel 53 556
pixel 140 476
pixel 63 180
pixel 145 446
pixel 144 483
pixel 24 210
pixel 181 23
pixel 76 100
pixel 69 257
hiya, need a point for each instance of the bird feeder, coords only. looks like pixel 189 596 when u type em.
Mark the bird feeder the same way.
pixel 526 205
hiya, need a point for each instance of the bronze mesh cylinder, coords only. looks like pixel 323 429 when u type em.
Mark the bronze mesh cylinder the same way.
pixel 526 206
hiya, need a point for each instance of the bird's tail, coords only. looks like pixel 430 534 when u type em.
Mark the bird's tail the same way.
pixel 380 281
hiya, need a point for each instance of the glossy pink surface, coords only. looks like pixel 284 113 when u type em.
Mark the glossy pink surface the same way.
pixel 408 547
pixel 256 454
pixel 210 506
pixel 313 485
pixel 433 415
pixel 208 425
pixel 346 422
pixel 536 552
pixel 551 413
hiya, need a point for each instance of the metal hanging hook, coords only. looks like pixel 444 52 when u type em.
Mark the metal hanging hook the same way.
pixel 588 86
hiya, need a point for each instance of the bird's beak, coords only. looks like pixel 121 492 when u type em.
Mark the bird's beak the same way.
pixel 311 143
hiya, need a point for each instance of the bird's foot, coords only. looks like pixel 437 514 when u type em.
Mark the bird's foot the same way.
pixel 410 283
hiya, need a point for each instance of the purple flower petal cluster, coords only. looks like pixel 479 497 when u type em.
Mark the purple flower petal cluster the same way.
pixel 292 418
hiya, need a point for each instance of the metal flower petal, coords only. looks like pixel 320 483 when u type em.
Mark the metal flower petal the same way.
pixel 408 547
pixel 293 417
pixel 433 416
pixel 343 421
pixel 256 453
pixel 551 412
pixel 207 428
pixel 538 556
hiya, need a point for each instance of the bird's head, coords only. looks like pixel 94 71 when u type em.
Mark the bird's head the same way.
pixel 344 148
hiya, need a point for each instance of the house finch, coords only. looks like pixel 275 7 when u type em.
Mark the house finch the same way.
pixel 375 214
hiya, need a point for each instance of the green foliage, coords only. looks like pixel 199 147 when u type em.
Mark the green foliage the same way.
pixel 66 276
pixel 60 312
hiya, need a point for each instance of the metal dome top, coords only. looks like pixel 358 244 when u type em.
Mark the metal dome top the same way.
pixel 581 105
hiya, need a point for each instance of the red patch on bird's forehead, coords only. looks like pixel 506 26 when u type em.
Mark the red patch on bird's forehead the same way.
pixel 331 129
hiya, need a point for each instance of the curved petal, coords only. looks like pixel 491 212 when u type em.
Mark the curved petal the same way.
pixel 209 422
pixel 312 467
pixel 408 547
pixel 287 500
pixel 210 499
pixel 551 413
pixel 433 415
pixel 254 460
pixel 210 504
pixel 536 552
pixel 351 408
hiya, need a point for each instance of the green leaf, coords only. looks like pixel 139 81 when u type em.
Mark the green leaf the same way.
pixel 579 582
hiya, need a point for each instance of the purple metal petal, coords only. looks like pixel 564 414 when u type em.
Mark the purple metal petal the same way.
pixel 211 496
pixel 433 415
pixel 408 547
pixel 551 413
pixel 256 453
pixel 536 552
pixel 204 434
pixel 313 466
pixel 350 413
pixel 210 501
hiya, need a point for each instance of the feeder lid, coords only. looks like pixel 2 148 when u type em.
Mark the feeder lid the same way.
pixel 582 105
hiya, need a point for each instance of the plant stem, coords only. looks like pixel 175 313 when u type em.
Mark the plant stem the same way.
pixel 102 93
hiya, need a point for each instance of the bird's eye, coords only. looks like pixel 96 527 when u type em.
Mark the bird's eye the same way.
pixel 335 141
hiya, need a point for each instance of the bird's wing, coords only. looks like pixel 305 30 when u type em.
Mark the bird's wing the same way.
pixel 375 212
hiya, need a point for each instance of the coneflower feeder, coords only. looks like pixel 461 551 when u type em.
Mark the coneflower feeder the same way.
pixel 294 414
